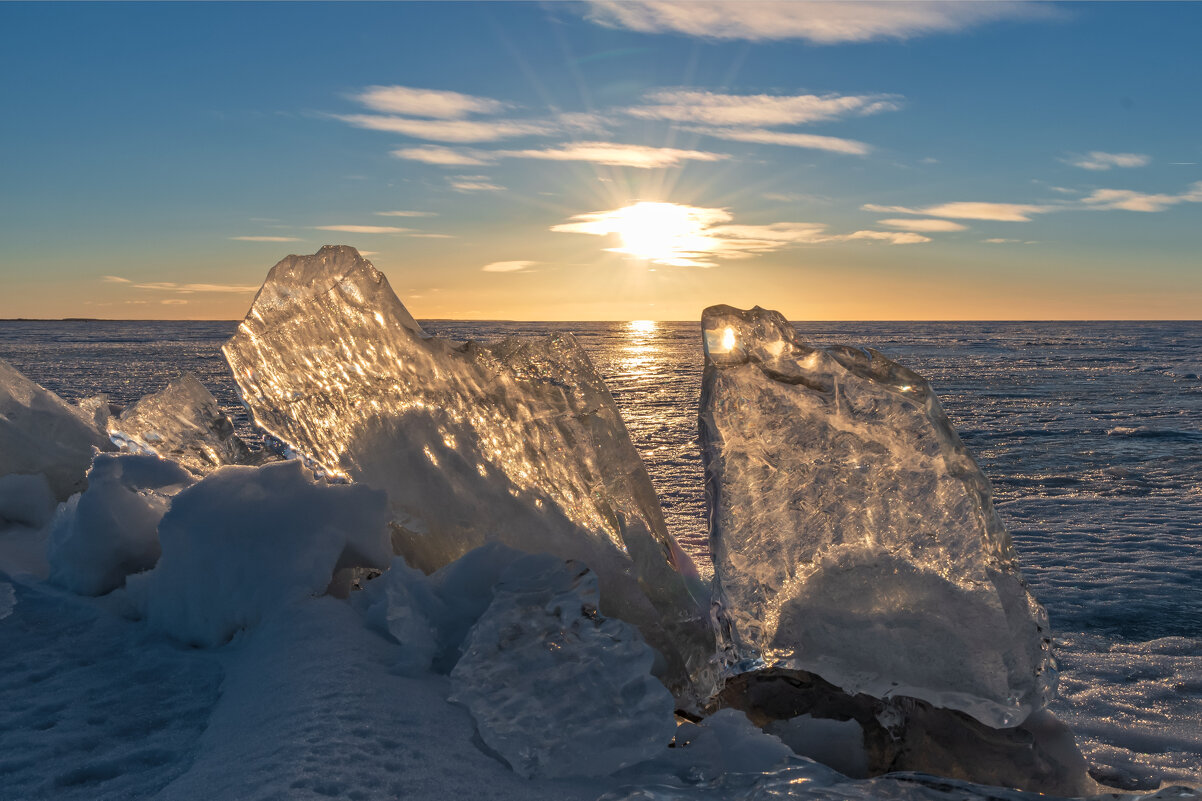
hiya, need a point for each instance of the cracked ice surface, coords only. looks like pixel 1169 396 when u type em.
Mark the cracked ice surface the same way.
pixel 182 422
pixel 517 442
pixel 853 534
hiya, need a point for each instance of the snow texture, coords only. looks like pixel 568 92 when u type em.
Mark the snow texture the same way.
pixel 182 422
pixel 515 442
pixel 556 689
pixel 42 433
pixel 109 531
pixel 853 534
pixel 26 500
pixel 245 541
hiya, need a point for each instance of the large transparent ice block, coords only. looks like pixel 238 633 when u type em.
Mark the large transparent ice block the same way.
pixel 516 442
pixel 41 433
pixel 853 534
pixel 181 422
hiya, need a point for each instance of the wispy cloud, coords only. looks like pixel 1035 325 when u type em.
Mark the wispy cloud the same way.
pixel 473 183
pixel 363 229
pixel 435 103
pixel 187 289
pixel 608 153
pixel 450 130
pixel 406 214
pixel 115 279
pixel 712 108
pixel 1097 160
pixel 690 236
pixel 969 210
pixel 924 226
pixel 445 156
pixel 508 267
pixel 617 155
pixel 818 22
pixel 761 136
pixel 173 302
pixel 1002 241
pixel 265 238
pixel 1127 200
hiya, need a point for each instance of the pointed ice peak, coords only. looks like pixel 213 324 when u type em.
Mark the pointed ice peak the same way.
pixel 853 534
pixel 181 422
pixel 334 274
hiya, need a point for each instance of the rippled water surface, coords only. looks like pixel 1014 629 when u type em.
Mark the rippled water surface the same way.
pixel 1090 432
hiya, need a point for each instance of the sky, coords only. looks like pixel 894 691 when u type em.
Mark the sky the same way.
pixel 607 160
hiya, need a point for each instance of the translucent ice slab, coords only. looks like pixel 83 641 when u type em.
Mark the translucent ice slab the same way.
pixel 853 534
pixel 41 433
pixel 181 422
pixel 516 442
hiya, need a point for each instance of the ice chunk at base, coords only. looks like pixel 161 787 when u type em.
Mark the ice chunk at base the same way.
pixel 182 422
pixel 556 689
pixel 110 530
pixel 515 442
pixel 244 542
pixel 42 433
pixel 853 535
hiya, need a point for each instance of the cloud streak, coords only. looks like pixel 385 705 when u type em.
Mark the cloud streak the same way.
pixel 816 22
pixel 607 153
pixel 187 289
pixel 923 226
pixel 363 229
pixel 508 267
pixel 265 239
pixel 435 103
pixel 1097 160
pixel 761 136
pixel 969 210
pixel 712 108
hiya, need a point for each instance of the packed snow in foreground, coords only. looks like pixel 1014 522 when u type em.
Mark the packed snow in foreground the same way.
pixel 492 606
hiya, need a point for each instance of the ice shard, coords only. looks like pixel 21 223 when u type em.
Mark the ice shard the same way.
pixel 42 433
pixel 853 534
pixel 181 422
pixel 514 442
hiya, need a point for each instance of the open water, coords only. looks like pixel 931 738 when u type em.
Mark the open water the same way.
pixel 1090 432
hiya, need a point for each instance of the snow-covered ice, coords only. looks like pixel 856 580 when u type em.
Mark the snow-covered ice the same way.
pixel 853 534
pixel 518 442
pixel 181 422
pixel 246 541
pixel 109 531
pixel 41 433
pixel 556 689
pixel 26 499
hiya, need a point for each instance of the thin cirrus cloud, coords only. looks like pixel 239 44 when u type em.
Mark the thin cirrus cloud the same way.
pixel 748 118
pixel 265 238
pixel 187 289
pixel 509 267
pixel 1098 160
pixel 1127 200
pixel 363 229
pixel 677 235
pixel 923 226
pixel 761 136
pixel 607 153
pixel 816 22
pixel 406 214
pixel 115 279
pixel 969 210
pixel 460 131
pixel 435 103
pixel 712 108
pixel 473 183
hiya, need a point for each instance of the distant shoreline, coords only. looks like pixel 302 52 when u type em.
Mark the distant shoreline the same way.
pixel 666 322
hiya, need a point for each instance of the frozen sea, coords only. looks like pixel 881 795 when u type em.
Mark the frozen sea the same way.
pixel 1090 432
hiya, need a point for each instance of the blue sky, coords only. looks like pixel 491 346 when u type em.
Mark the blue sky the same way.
pixel 834 161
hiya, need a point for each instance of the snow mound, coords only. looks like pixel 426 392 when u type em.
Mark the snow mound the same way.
pixel 853 534
pixel 108 531
pixel 555 689
pixel 182 422
pixel 513 442
pixel 245 541
pixel 42 433
pixel 26 500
